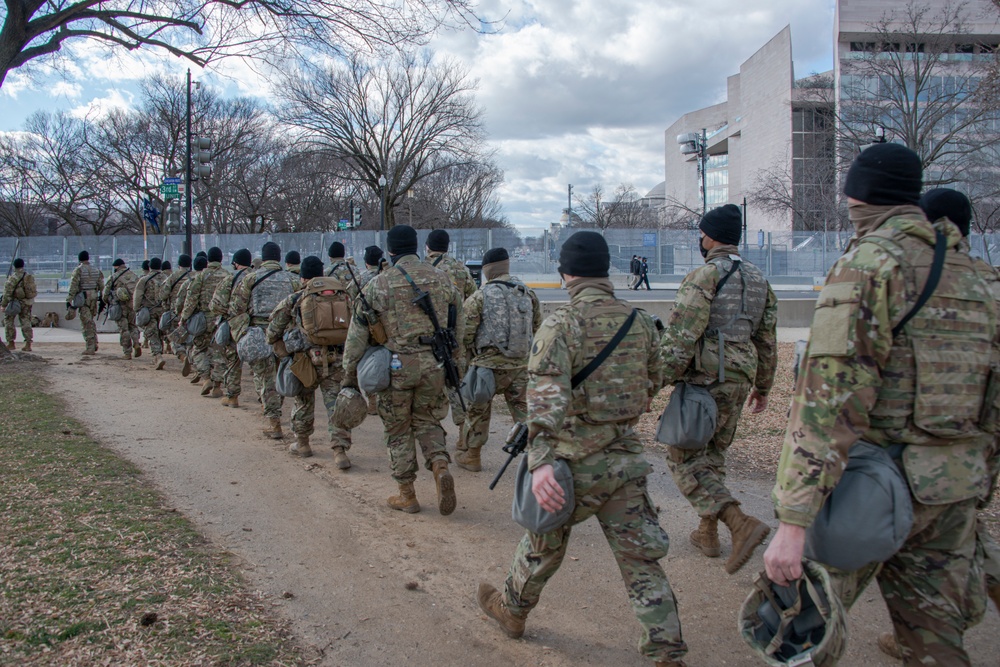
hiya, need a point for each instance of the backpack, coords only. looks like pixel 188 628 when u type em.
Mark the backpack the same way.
pixel 268 290
pixel 325 311
pixel 507 319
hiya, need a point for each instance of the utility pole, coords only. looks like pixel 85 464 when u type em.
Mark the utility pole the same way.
pixel 187 173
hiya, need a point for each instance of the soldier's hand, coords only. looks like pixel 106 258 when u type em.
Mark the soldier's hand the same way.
pixel 783 558
pixel 546 489
pixel 757 402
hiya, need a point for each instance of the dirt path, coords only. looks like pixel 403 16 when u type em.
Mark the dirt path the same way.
pixel 339 563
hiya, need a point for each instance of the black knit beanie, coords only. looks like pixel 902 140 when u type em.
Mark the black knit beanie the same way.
pixel 723 224
pixel 118 262
pixel 585 254
pixel 885 175
pixel 336 250
pixel 401 240
pixel 270 252
pixel 166 265
pixel 214 254
pixel 200 263
pixel 373 255
pixel 947 203
pixel 84 256
pixel 495 255
pixel 293 257
pixel 201 253
pixel 18 263
pixel 438 240
pixel 155 264
pixel 311 267
pixel 145 265
pixel 242 257
pixel 184 261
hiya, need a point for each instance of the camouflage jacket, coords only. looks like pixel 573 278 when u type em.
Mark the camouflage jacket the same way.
pixel 123 283
pixel 220 299
pixel 19 287
pixel 147 293
pixel 173 288
pixel 341 269
pixel 856 381
pixel 201 289
pixel 239 300
pixel 688 357
pixel 367 275
pixel 491 357
pixel 602 412
pixel 84 279
pixel 459 274
pixel 391 297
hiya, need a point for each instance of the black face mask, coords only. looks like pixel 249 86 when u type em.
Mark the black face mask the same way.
pixel 702 248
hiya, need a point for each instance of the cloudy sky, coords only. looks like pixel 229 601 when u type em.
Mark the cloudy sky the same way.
pixel 575 91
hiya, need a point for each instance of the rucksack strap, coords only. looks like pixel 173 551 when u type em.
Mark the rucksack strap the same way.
pixel 437 260
pixel 940 249
pixel 585 372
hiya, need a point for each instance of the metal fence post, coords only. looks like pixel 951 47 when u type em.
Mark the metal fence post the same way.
pixel 65 252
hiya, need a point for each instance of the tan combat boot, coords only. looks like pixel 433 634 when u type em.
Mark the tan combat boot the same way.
pixel 90 353
pixel 231 401
pixel 273 429
pixel 670 663
pixel 469 460
pixel 158 362
pixel 887 644
pixel 137 351
pixel 406 501
pixel 340 457
pixel 301 446
pixel 186 369
pixel 747 534
pixel 196 379
pixel 207 387
pixel 491 602
pixel 127 355
pixel 217 390
pixel 11 346
pixel 26 347
pixel 706 538
pixel 461 445
pixel 445 487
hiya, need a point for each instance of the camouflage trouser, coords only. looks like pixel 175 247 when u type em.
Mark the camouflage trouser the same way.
pixel 152 333
pixel 207 360
pixel 233 373
pixel 611 486
pixel 411 410
pixel 128 332
pixel 304 410
pixel 513 384
pixel 457 411
pixel 88 325
pixel 263 381
pixel 934 586
pixel 700 474
pixel 991 555
pixel 24 320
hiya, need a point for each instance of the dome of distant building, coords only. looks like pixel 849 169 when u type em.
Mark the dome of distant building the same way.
pixel 658 192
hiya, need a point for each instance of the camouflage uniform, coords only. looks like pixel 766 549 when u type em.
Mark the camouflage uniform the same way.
pixel 241 316
pixel 90 281
pixel 858 382
pixel 285 318
pixel 120 287
pixel 146 295
pixel 466 285
pixel 691 354
pixel 593 428
pixel 208 362
pixel 414 405
pixel 232 374
pixel 172 294
pixel 367 275
pixel 19 287
pixel 341 269
pixel 511 374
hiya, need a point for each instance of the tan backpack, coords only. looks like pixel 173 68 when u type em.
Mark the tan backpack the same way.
pixel 325 311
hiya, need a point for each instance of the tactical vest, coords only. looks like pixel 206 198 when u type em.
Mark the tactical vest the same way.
pixel 89 278
pixel 617 390
pixel 146 301
pixel 739 306
pixel 176 279
pixel 507 319
pixel 268 293
pixel 211 277
pixel 934 380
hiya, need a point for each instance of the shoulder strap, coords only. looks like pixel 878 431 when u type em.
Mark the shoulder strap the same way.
pixel 18 283
pixel 725 278
pixel 940 249
pixel 263 278
pixel 437 260
pixel 508 284
pixel 584 373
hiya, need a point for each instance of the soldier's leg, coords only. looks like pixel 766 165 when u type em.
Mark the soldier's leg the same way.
pixel 152 332
pixel 217 360
pixel 26 331
pixel 991 560
pixel 934 586
pixel 395 408
pixel 514 386
pixel 429 409
pixel 303 412
pixel 457 411
pixel 477 425
pixel 124 337
pixel 263 378
pixel 233 372
pixel 200 357
pixel 637 541
pixel 536 559
pixel 8 328
pixel 88 327
pixel 330 386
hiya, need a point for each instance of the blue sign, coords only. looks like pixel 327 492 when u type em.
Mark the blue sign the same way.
pixel 649 240
pixel 172 180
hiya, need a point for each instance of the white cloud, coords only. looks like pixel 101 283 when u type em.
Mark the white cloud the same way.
pixel 66 89
pixel 100 106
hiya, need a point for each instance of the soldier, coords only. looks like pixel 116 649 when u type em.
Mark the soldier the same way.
pixel 233 373
pixel 374 263
pixel 292 261
pixel 328 359
pixel 860 380
pixel 180 330
pixel 253 300
pixel 88 281
pixel 500 319
pixel 20 287
pixel 170 290
pixel 209 363
pixel 436 254
pixel 727 299
pixel 121 287
pixel 145 267
pixel 414 405
pixel 146 295
pixel 593 429
pixel 341 268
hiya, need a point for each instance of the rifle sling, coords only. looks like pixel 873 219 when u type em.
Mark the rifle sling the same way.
pixel 583 374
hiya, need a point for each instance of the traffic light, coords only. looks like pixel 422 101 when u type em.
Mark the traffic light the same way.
pixel 201 156
pixel 355 215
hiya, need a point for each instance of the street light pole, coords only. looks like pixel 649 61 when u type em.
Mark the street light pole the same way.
pixel 381 193
pixel 187 173
pixel 703 145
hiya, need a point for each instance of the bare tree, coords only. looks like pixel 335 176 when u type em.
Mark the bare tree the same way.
pixel 462 196
pixel 622 210
pixel 20 213
pixel 204 30
pixel 404 118
pixel 812 197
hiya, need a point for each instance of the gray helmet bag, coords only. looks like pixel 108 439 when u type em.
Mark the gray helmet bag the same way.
pixel 478 386
pixel 165 320
pixel 115 311
pixel 285 381
pixel 373 370
pixel 197 324
pixel 142 317
pixel 525 509
pixel 690 418
pixel 78 301
pixel 13 308
pixel 223 334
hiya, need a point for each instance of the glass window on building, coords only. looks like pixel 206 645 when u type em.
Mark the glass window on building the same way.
pixel 717 180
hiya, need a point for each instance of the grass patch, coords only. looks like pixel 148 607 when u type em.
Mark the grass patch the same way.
pixel 96 569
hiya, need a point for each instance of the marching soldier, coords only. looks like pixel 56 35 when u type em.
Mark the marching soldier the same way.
pixel 341 268
pixel 120 288
pixel 209 363
pixel 20 289
pixel 233 373
pixel 147 296
pixel 171 289
pixel 85 286
pixel 293 260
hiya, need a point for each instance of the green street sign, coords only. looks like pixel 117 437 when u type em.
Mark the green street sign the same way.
pixel 169 191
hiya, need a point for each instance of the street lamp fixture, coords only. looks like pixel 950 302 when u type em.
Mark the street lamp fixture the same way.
pixel 381 194
pixel 692 143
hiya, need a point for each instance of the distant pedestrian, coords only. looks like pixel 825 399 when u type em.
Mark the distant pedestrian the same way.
pixel 634 269
pixel 643 274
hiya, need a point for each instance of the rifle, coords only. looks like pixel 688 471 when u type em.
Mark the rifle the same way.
pixel 516 442
pixel 375 326
pixel 442 341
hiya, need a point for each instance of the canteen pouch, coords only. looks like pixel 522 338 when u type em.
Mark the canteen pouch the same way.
pixel 223 335
pixel 78 301
pixel 690 418
pixel 868 515
pixel 114 311
pixel 253 346
pixel 373 370
pixel 13 308
pixel 525 509
pixel 478 386
pixel 142 317
pixel 285 381
pixel 304 369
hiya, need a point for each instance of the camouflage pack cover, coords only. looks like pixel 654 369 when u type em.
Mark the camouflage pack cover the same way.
pixel 269 292
pixel 373 370
pixel 296 341
pixel 285 381
pixel 478 386
pixel 142 317
pixel 253 346
pixel 506 319
pixel 350 410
